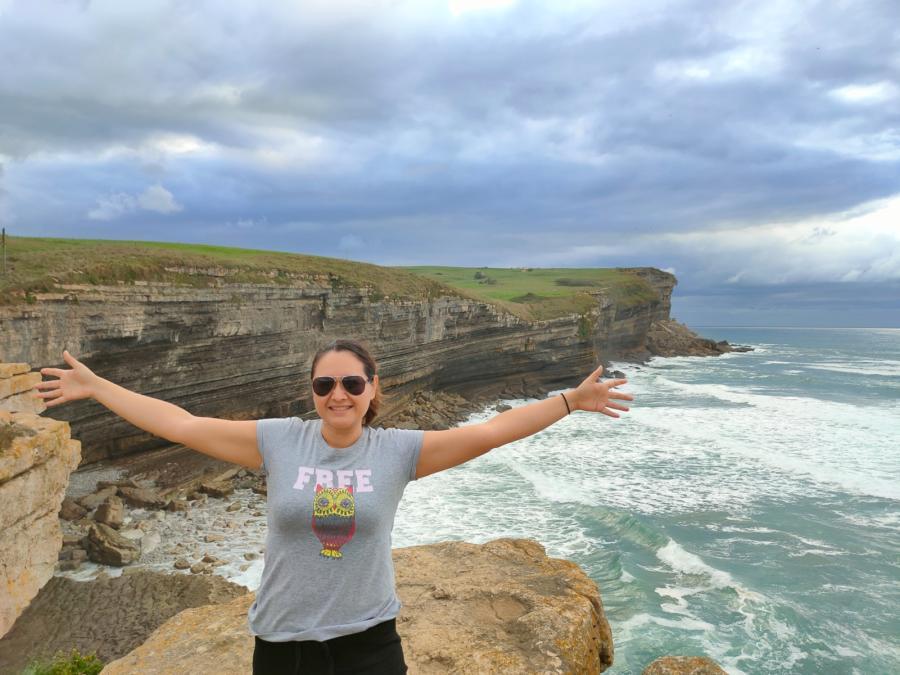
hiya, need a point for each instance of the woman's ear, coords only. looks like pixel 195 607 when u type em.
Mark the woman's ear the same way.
pixel 375 383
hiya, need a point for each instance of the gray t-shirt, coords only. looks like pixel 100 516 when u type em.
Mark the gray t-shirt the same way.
pixel 328 568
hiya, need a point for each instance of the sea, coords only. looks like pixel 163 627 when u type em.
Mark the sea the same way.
pixel 747 508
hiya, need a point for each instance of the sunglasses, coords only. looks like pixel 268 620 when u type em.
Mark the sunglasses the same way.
pixel 352 384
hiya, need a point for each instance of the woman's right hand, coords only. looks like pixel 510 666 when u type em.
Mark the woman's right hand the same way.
pixel 72 384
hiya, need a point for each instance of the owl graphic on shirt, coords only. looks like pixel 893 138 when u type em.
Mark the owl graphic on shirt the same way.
pixel 334 519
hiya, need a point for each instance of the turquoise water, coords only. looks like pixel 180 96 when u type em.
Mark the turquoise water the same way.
pixel 747 508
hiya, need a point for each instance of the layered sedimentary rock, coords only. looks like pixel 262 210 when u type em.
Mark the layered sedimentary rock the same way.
pixel 37 454
pixel 501 607
pixel 243 350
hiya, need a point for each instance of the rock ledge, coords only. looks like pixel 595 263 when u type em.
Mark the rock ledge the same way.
pixel 500 607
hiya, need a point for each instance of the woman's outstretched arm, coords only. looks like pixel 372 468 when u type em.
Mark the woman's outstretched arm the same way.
pixel 445 449
pixel 230 441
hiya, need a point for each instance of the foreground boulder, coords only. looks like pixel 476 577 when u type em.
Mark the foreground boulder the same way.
pixel 107 616
pixel 37 454
pixel 500 607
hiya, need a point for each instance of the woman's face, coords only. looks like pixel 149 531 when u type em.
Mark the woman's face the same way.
pixel 338 409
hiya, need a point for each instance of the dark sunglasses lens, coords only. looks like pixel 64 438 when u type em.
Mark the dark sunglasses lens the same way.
pixel 322 385
pixel 354 384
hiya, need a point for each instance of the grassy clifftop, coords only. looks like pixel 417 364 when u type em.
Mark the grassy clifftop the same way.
pixel 544 293
pixel 36 265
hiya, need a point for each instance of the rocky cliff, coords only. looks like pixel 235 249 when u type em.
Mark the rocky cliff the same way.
pixel 37 455
pixel 242 350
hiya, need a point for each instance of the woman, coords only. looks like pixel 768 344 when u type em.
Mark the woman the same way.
pixel 327 600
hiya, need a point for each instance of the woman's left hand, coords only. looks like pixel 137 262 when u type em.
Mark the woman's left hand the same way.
pixel 594 396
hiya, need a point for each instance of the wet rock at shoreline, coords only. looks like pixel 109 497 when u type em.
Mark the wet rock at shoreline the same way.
pixel 145 498
pixel 92 501
pixel 108 547
pixel 218 489
pixel 178 505
pixel 111 512
pixel 72 510
pixel 671 338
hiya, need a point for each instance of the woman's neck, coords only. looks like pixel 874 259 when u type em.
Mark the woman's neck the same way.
pixel 341 438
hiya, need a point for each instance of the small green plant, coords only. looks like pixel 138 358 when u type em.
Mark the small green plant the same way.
pixel 75 663
pixel 585 329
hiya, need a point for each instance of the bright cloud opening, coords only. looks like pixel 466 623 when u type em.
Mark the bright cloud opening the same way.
pixel 155 198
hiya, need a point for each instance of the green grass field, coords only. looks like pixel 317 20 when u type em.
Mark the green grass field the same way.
pixel 543 293
pixel 37 265
pixel 41 264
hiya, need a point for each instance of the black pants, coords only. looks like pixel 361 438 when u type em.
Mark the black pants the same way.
pixel 376 651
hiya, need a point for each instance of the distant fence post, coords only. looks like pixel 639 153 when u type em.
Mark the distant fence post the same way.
pixel 4 251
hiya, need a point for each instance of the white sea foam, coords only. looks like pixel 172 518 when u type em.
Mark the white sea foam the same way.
pixel 250 577
pixel 684 623
pixel 816 551
pixel 887 521
pixel 884 368
pixel 687 563
pixel 798 435
pixel 815 543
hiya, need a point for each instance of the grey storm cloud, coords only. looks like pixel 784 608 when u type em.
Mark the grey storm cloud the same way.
pixel 565 133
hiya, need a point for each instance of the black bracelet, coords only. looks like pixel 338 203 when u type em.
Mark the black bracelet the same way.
pixel 568 409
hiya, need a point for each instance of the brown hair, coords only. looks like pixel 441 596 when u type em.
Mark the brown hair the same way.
pixel 369 367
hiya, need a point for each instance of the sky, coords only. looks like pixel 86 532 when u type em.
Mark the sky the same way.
pixel 752 148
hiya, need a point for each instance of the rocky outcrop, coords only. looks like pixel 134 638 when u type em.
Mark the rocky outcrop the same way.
pixel 670 338
pixel 242 351
pixel 16 383
pixel 107 616
pixel 500 607
pixel 37 454
pixel 684 665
